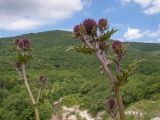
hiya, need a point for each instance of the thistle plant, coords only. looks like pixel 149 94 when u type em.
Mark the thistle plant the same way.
pixel 95 38
pixel 23 49
pixel 111 107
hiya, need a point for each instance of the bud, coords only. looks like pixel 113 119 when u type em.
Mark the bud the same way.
pixel 102 24
pixel 22 44
pixel 119 49
pixel 90 26
pixel 26 43
pixel 76 30
pixel 42 78
pixel 110 104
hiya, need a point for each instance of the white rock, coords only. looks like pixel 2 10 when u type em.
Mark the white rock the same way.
pixel 134 113
pixel 156 118
pixel 72 117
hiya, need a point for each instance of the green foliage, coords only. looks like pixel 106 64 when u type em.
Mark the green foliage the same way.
pixel 108 34
pixel 72 76
pixel 123 76
pixel 150 109
pixel 81 49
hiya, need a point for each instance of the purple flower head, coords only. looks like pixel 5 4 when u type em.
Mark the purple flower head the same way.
pixel 110 104
pixel 119 49
pixel 42 78
pixel 76 30
pixel 102 24
pixel 22 44
pixel 90 26
pixel 26 43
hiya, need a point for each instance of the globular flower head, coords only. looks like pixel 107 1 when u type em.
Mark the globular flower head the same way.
pixel 102 24
pixel 90 26
pixel 76 30
pixel 110 104
pixel 42 78
pixel 23 44
pixel 18 66
pixel 119 49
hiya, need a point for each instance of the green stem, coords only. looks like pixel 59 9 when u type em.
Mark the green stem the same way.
pixel 119 103
pixel 30 92
pixel 39 93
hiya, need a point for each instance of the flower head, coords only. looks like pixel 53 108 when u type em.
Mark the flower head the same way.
pixel 42 78
pixel 22 44
pixel 110 104
pixel 90 26
pixel 76 30
pixel 119 49
pixel 102 24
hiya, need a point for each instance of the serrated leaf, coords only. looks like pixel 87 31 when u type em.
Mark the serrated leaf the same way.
pixel 108 34
pixel 123 76
pixel 70 48
pixel 83 49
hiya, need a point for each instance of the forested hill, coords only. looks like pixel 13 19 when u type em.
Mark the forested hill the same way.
pixel 73 76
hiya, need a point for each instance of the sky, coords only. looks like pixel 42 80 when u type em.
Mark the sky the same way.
pixel 136 20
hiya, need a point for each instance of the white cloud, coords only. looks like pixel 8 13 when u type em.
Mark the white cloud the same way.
pixel 87 3
pixel 155 34
pixel 29 14
pixel 141 2
pixel 153 8
pixel 149 6
pixel 149 36
pixel 108 10
pixel 133 33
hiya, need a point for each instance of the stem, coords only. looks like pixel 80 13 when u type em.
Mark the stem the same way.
pixel 39 93
pixel 114 117
pixel 119 103
pixel 106 69
pixel 30 92
pixel 103 62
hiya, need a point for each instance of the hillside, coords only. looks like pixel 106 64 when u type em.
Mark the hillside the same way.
pixel 71 75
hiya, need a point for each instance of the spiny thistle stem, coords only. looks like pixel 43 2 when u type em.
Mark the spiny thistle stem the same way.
pixel 30 92
pixel 39 93
pixel 100 59
pixel 111 77
pixel 119 103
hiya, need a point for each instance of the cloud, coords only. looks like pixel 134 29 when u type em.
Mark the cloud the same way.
pixel 155 34
pixel 149 6
pixel 29 14
pixel 87 3
pixel 135 34
pixel 132 33
pixel 153 8
pixel 108 10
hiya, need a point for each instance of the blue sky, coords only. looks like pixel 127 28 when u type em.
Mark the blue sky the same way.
pixel 137 20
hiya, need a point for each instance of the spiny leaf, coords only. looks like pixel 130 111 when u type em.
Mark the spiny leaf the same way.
pixel 123 76
pixel 108 34
pixel 70 48
pixel 84 50
pixel 81 49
